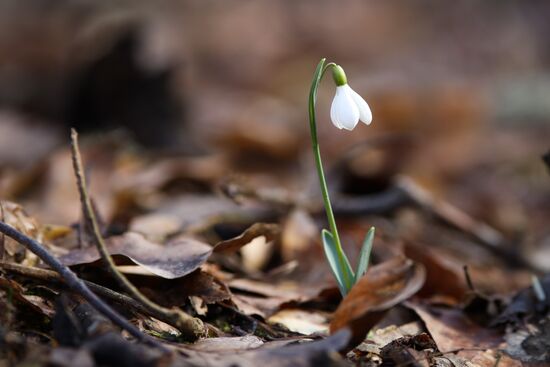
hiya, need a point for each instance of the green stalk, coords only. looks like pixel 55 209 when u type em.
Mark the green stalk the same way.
pixel 319 72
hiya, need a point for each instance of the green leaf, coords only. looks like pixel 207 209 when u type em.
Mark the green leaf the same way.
pixel 364 258
pixel 331 252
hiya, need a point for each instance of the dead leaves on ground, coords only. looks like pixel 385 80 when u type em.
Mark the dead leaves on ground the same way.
pixel 253 270
pixel 175 279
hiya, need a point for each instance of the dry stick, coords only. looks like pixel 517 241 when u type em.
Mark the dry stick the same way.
pixel 468 279
pixel 2 238
pixel 485 234
pixel 190 327
pixel 52 276
pixel 76 284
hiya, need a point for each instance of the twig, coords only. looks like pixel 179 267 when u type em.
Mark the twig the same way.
pixel 190 327
pixel 377 203
pixel 52 276
pixel 76 284
pixel 538 289
pixel 485 235
pixel 2 237
pixel 468 279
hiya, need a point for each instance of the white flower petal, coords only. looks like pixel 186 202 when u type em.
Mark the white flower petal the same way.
pixel 365 113
pixel 333 116
pixel 344 112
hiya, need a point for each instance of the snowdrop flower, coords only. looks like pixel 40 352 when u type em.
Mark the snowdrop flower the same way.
pixel 348 107
pixel 346 111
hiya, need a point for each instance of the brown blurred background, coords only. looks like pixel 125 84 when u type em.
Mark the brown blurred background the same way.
pixel 465 85
pixel 177 65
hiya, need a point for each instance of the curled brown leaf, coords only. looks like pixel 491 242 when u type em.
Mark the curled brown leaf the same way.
pixel 384 286
pixel 170 261
pixel 269 230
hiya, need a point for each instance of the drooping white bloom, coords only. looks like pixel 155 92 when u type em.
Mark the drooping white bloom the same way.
pixel 365 114
pixel 348 107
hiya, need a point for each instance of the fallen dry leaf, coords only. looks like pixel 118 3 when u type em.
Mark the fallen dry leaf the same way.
pixel 408 350
pixel 228 345
pixel 267 296
pixel 487 358
pixel 17 292
pixel 14 215
pixel 452 330
pixel 301 321
pixel 173 260
pixel 256 247
pixel 156 226
pixel 299 234
pixel 200 212
pixel 525 304
pixel 198 284
pixel 531 344
pixel 228 352
pixel 269 231
pixel 443 277
pixel 384 286
pixel 256 254
pixel 390 333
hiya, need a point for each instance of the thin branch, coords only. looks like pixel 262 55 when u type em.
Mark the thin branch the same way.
pixel 52 276
pixel 76 284
pixel 2 237
pixel 190 327
pixel 468 279
pixel 485 235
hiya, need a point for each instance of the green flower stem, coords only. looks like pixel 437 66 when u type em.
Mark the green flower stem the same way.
pixel 319 72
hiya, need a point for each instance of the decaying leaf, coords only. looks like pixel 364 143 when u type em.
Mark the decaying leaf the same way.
pixel 228 345
pixel 525 304
pixel 267 297
pixel 200 212
pixel 528 328
pixel 530 344
pixel 268 230
pixel 197 284
pixel 37 304
pixel 14 215
pixel 408 350
pixel 301 321
pixel 256 254
pixel 388 334
pixel 443 278
pixel 173 260
pixel 226 352
pixel 67 357
pixel 384 286
pixel 256 246
pixel 485 358
pixel 452 330
pixel 156 226
pixel 298 235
